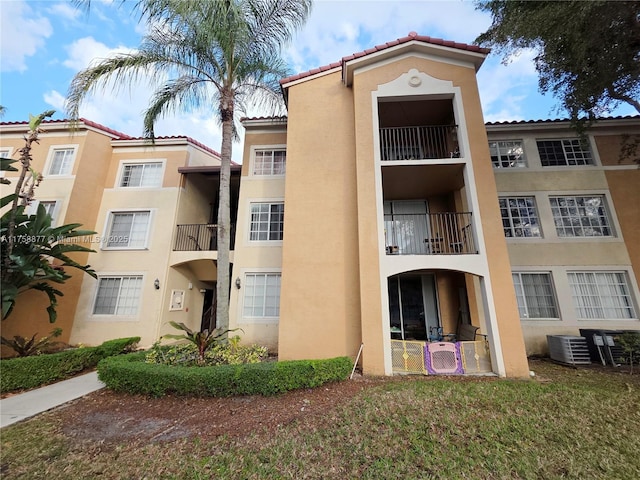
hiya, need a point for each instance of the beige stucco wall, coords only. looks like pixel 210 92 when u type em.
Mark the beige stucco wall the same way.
pixel 320 297
pixel 251 256
pixel 77 195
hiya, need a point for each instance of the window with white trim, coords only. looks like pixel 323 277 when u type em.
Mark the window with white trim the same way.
pixel 507 154
pixel 128 229
pixel 141 175
pixel 580 216
pixel 61 161
pixel 118 295
pixel 519 217
pixel 50 206
pixel 267 221
pixel 565 152
pixel 4 152
pixel 269 162
pixel 535 295
pixel 601 295
pixel 262 295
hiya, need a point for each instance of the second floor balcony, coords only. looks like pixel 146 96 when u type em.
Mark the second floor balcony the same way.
pixel 194 237
pixel 447 233
pixel 419 142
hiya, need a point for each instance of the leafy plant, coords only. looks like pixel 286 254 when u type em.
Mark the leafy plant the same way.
pixel 34 254
pixel 630 343
pixel 202 340
pixel 26 348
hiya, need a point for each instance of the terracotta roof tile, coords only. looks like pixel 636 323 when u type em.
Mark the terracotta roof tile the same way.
pixel 412 36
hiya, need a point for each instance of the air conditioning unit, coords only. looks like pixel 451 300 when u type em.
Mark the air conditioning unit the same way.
pixel 569 349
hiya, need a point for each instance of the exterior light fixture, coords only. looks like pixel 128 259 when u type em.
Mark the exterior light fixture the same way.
pixel 156 284
pixel 238 284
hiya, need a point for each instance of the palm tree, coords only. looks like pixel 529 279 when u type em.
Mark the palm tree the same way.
pixel 224 54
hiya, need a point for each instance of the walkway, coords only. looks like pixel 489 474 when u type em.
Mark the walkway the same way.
pixel 24 405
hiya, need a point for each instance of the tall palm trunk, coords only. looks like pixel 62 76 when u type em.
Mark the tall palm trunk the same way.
pixel 224 213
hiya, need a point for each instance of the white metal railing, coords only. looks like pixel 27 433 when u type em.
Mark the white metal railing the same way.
pixel 447 233
pixel 420 142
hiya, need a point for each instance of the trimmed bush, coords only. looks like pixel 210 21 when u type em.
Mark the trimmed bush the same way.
pixel 130 374
pixel 31 372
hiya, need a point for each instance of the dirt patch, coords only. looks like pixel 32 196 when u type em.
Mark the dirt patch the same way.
pixel 108 418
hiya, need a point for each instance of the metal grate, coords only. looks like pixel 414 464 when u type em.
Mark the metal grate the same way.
pixel 408 356
pixel 569 349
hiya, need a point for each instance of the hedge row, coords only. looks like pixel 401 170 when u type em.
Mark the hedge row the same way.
pixel 130 374
pixel 35 371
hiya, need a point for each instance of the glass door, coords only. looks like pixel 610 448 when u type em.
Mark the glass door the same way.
pixel 413 306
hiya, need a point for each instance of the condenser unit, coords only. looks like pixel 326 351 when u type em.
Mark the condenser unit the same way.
pixel 569 349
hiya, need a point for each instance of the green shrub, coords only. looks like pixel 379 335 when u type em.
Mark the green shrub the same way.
pixel 187 354
pixel 35 371
pixel 131 374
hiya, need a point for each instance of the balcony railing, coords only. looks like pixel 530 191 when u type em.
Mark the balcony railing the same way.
pixel 419 143
pixel 429 234
pixel 198 236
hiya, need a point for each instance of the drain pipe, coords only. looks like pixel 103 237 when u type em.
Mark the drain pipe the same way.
pixel 356 362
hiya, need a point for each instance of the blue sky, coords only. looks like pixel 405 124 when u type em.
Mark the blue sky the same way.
pixel 44 43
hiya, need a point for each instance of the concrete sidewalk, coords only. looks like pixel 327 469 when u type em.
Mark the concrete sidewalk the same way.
pixel 24 405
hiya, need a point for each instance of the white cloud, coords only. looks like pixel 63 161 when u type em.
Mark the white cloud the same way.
pixel 65 10
pixel 22 33
pixel 86 50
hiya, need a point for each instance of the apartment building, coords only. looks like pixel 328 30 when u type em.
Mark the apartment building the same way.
pixel 132 194
pixel 380 215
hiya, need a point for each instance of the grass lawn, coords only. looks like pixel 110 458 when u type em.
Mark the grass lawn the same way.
pixel 566 423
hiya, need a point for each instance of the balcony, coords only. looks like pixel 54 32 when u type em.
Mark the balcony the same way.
pixel 446 233
pixel 195 237
pixel 419 142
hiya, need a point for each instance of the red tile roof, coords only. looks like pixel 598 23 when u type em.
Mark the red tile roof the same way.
pixel 409 38
pixel 120 135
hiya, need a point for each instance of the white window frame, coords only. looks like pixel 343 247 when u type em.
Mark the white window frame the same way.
pixel 520 293
pixel 598 293
pixel 270 203
pixel 608 216
pixel 567 144
pixel 57 204
pixel 132 163
pixel 5 152
pixel 139 302
pixel 502 145
pixel 252 318
pixel 108 237
pixel 51 156
pixel 510 217
pixel 262 148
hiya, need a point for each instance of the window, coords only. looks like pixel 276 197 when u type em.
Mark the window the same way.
pixel 601 295
pixel 584 216
pixel 519 217
pixel 118 295
pixel 142 175
pixel 61 161
pixel 49 207
pixel 534 292
pixel 507 154
pixel 269 162
pixel 267 221
pixel 261 295
pixel 555 153
pixel 128 230
pixel 4 152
